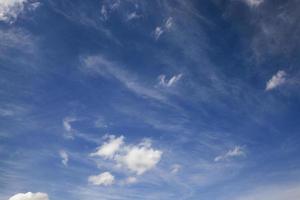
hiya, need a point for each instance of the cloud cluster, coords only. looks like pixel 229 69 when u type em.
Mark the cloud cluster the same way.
pixel 278 79
pixel 136 158
pixel 237 151
pixel 30 196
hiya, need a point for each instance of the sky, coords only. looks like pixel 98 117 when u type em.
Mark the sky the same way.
pixel 160 99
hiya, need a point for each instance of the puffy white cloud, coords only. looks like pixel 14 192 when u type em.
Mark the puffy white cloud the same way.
pixel 235 152
pixel 278 79
pixel 30 196
pixel 104 178
pixel 253 3
pixel 140 158
pixel 64 156
pixel 136 158
pixel 11 9
pixel 168 83
pixel 109 148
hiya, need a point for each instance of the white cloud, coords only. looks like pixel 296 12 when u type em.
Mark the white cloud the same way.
pixel 132 16
pixel 235 152
pixel 278 79
pixel 108 8
pixel 169 23
pixel 175 168
pixel 140 158
pixel 109 148
pixel 30 196
pixel 254 3
pixel 11 9
pixel 104 178
pixel 168 83
pixel 157 32
pixel 136 158
pixel 64 156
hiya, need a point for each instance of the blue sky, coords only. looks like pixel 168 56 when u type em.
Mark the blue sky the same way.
pixel 162 99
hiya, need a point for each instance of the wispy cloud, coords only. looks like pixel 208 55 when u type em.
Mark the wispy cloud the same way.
pixel 64 157
pixel 132 16
pixel 237 151
pixel 254 3
pixel 175 168
pixel 159 30
pixel 67 124
pixel 278 79
pixel 168 83
pixel 106 68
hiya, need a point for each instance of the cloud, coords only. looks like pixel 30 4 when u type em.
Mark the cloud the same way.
pixel 237 151
pixel 132 16
pixel 11 9
pixel 64 156
pixel 136 158
pixel 278 79
pixel 100 122
pixel 109 148
pixel 253 3
pixel 104 67
pixel 67 124
pixel 29 196
pixel 169 23
pixel 175 168
pixel 159 30
pixel 140 158
pixel 104 178
pixel 168 83
pixel 109 7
